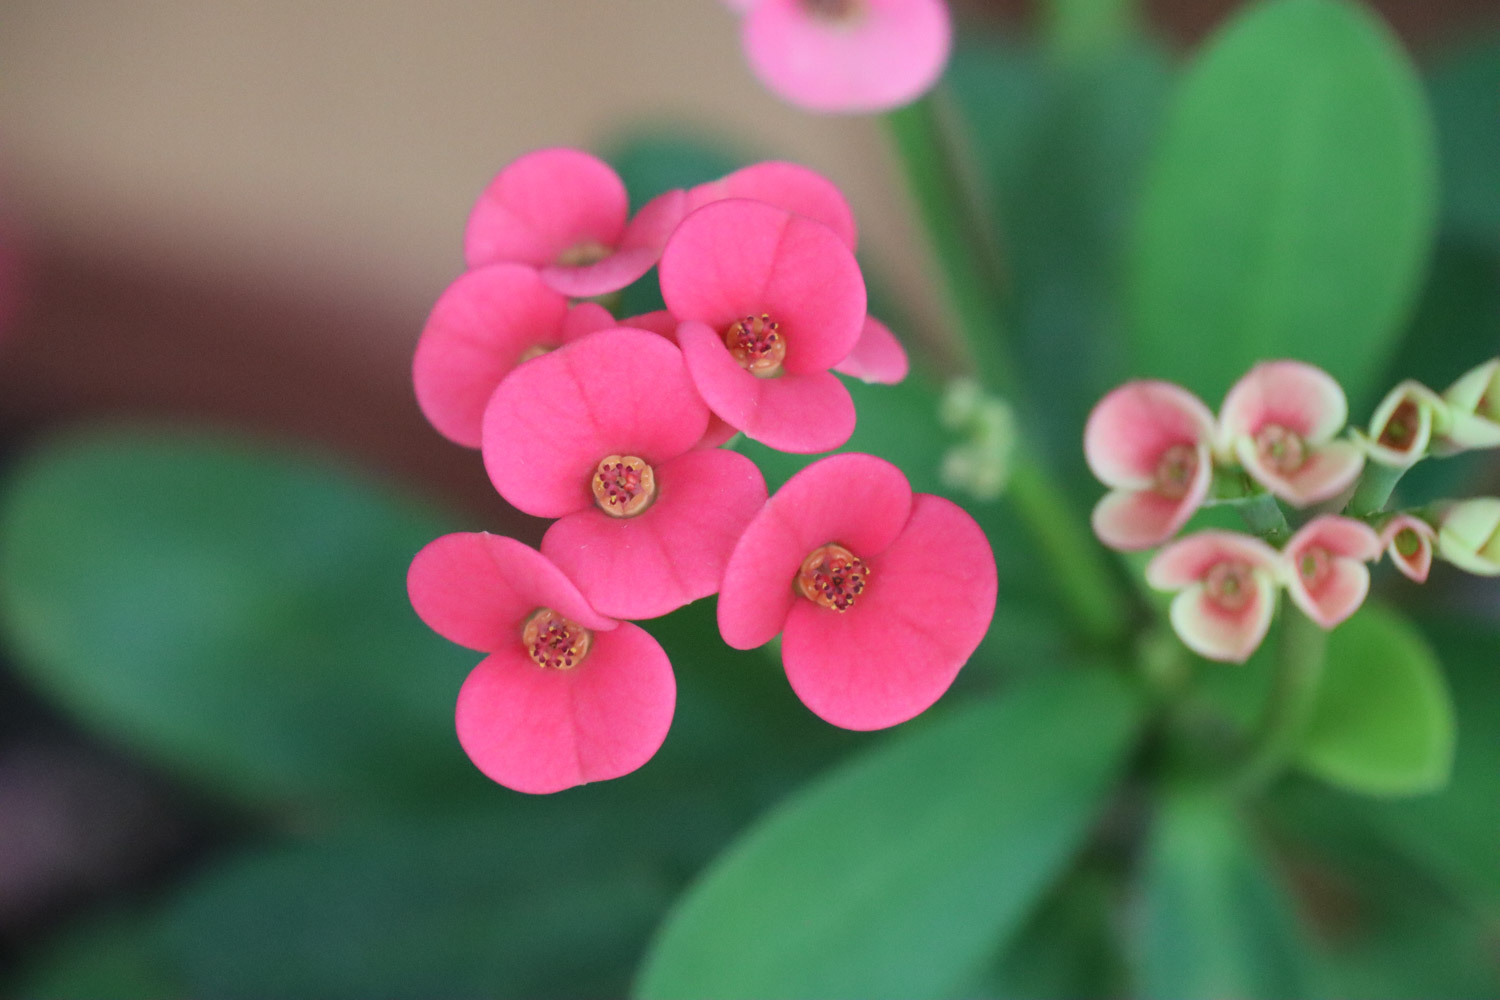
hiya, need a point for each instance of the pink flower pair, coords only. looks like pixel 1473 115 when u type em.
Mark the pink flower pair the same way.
pixel 846 55
pixel 1227 582
pixel 1156 445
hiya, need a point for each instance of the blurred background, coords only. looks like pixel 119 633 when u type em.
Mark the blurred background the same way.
pixel 235 216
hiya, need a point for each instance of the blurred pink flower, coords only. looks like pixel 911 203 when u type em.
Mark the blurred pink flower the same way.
pixel 566 696
pixel 487 322
pixel 1409 540
pixel 768 301
pixel 1227 584
pixel 1324 568
pixel 602 434
pixel 1151 442
pixel 1279 421
pixel 847 55
pixel 565 213
pixel 880 596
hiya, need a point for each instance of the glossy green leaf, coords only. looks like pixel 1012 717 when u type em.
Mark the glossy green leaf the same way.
pixel 1214 923
pixel 236 614
pixel 1290 207
pixel 1464 88
pixel 898 874
pixel 1383 722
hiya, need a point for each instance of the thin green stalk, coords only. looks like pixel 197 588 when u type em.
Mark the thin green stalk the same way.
pixel 1374 490
pixel 1294 693
pixel 968 259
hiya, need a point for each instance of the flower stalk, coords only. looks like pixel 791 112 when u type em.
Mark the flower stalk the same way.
pixel 1288 708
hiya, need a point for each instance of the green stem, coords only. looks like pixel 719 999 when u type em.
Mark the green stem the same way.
pixel 1264 516
pixel 968 258
pixel 1374 490
pixel 1294 693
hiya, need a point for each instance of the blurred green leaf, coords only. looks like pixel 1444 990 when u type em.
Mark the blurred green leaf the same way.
pixel 237 614
pixel 900 872
pixel 1290 207
pixel 1214 923
pixel 1383 722
pixel 118 955
pixel 1464 88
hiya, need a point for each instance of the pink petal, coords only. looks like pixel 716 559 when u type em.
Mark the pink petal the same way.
pixel 1130 429
pixel 541 730
pixel 1342 536
pixel 544 204
pixel 1290 394
pixel 476 334
pixel 608 275
pixel 585 318
pixel 890 54
pixel 659 322
pixel 478 589
pixel 786 185
pixel 796 413
pixel 719 432
pixel 1186 561
pixel 737 258
pixel 856 500
pixel 618 391
pixel 877 356
pixel 1328 470
pixel 673 553
pixel 1210 631
pixel 889 657
pixel 1337 596
pixel 1419 564
pixel 1130 520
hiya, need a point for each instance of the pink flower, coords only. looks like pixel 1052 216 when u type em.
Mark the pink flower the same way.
pixel 880 596
pixel 1151 443
pixel 1404 424
pixel 566 696
pixel 786 185
pixel 565 212
pixel 487 322
pixel 1279 422
pixel 1474 404
pixel 1409 540
pixel 1228 591
pixel 847 55
pixel 1324 569
pixel 601 434
pixel 768 301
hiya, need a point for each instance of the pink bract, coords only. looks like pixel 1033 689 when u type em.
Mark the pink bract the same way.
pixel 1279 422
pixel 661 530
pixel 565 212
pixel 1151 442
pixel 1324 568
pixel 847 55
pixel 743 265
pixel 533 727
pixel 904 636
pixel 1227 591
pixel 785 185
pixel 1409 541
pixel 878 356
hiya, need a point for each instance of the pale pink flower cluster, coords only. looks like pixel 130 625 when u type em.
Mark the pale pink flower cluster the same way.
pixel 613 426
pixel 1164 455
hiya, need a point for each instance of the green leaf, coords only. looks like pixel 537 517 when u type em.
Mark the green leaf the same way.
pixel 1464 88
pixel 1214 923
pixel 117 955
pixel 236 614
pixel 898 874
pixel 1383 722
pixel 1290 207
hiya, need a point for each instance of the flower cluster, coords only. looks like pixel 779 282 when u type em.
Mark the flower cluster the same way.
pixel 614 428
pixel 1277 439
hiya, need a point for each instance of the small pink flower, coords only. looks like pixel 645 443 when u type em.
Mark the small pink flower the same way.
pixel 768 301
pixel 1474 405
pixel 565 213
pixel 1409 541
pixel 601 434
pixel 566 696
pixel 1279 422
pixel 1402 428
pixel 847 55
pixel 487 322
pixel 1324 568
pixel 1151 442
pixel 1228 591
pixel 880 596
